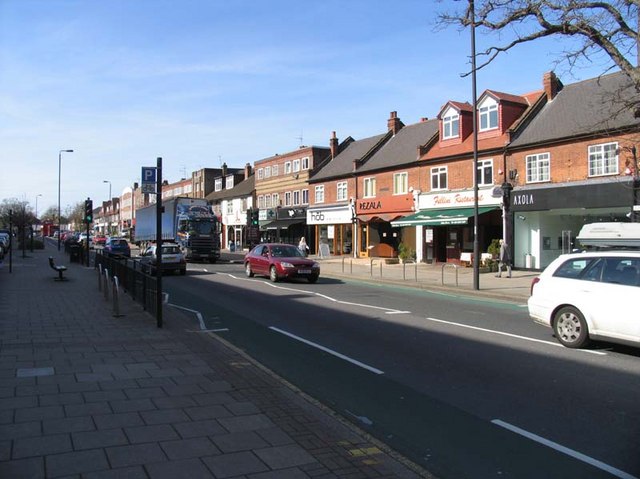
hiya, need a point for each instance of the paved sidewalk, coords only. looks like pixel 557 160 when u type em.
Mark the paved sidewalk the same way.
pixel 85 394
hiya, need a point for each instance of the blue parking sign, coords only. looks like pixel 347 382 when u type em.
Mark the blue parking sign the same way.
pixel 148 175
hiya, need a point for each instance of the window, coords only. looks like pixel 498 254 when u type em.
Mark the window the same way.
pixel 287 168
pixel 603 159
pixel 305 197
pixel 369 187
pixel 296 198
pixel 341 194
pixel 538 167
pixel 274 170
pixel 485 172
pixel 229 207
pixel 267 199
pixel 218 184
pixel 451 126
pixel 260 202
pixel 296 166
pixel 260 173
pixel 305 163
pixel 267 172
pixel 320 194
pixel 287 198
pixel 275 199
pixel 229 182
pixel 488 117
pixel 400 183
pixel 439 178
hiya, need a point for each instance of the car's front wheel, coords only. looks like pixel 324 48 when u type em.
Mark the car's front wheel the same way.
pixel 313 278
pixel 247 270
pixel 273 274
pixel 570 327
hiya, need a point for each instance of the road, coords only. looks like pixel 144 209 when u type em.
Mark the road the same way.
pixel 464 387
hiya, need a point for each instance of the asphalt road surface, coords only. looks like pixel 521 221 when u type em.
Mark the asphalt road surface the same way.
pixel 463 387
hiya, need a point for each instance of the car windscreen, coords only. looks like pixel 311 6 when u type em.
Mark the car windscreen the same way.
pixel 202 227
pixel 285 251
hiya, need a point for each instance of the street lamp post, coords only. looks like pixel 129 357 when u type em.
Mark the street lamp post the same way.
pixel 34 227
pixel 108 228
pixel 39 194
pixel 59 171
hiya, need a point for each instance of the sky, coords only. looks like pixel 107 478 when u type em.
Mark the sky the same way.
pixel 202 82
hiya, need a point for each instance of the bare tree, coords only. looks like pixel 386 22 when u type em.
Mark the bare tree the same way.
pixel 600 27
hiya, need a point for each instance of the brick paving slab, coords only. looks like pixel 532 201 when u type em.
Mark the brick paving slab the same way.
pixel 125 399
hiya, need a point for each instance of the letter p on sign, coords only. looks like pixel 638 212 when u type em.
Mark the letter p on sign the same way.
pixel 148 175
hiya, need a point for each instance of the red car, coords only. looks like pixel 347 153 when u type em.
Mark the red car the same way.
pixel 280 261
pixel 99 240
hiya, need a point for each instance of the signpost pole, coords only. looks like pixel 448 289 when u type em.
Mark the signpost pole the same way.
pixel 159 242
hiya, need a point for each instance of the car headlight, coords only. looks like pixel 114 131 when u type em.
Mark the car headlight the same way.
pixel 315 265
pixel 284 264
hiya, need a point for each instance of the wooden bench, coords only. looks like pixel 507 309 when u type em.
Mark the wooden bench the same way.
pixel 59 269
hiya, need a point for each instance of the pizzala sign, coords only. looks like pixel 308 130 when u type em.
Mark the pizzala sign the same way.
pixel 369 205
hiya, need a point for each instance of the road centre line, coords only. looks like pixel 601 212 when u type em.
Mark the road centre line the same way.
pixel 565 450
pixel 524 338
pixel 320 295
pixel 327 350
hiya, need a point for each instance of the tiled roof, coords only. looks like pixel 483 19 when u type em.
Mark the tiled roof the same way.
pixel 342 164
pixel 244 188
pixel 507 97
pixel 402 148
pixel 588 107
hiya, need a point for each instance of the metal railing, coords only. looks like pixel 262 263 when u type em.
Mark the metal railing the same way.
pixel 140 286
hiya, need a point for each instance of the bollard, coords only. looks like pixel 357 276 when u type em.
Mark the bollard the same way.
pixel 371 268
pixel 416 270
pixel 116 298
pixel 343 265
pixel 100 277
pixel 351 266
pixel 381 268
pixel 106 284
pixel 404 277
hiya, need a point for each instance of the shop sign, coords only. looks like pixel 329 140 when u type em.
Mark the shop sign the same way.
pixel 291 213
pixel 458 199
pixel 329 216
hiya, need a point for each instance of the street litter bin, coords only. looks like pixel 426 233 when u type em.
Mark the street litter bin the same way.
pixel 74 253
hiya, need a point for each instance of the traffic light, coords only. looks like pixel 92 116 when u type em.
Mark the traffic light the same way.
pixel 249 216
pixel 88 211
pixel 254 218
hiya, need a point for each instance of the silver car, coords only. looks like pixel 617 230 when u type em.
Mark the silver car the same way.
pixel 172 259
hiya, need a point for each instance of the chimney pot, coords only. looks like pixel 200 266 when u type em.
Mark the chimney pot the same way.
pixel 393 123
pixel 333 145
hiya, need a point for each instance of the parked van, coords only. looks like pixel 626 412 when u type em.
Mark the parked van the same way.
pixel 610 236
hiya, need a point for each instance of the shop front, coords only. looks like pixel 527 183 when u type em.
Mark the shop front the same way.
pixel 376 236
pixel 331 226
pixel 547 219
pixel 234 230
pixel 444 229
pixel 283 225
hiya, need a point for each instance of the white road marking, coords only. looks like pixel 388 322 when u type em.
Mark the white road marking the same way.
pixel 320 295
pixel 524 338
pixel 327 350
pixel 197 313
pixel 565 450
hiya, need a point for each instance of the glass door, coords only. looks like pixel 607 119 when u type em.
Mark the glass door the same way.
pixel 364 240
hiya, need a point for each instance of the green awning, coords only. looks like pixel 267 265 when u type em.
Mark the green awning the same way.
pixel 440 217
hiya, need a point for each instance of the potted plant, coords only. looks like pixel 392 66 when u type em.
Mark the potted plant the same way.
pixel 494 251
pixel 406 253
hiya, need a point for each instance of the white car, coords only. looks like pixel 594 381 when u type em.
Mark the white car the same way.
pixel 591 295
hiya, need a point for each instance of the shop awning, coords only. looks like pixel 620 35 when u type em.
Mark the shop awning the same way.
pixel 440 217
pixel 283 224
pixel 379 217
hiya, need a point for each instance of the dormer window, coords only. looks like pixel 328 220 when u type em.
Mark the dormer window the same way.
pixel 488 111
pixel 451 125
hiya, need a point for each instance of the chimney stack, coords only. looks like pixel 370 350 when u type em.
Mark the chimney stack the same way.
pixel 393 123
pixel 224 170
pixel 333 145
pixel 551 85
pixel 247 171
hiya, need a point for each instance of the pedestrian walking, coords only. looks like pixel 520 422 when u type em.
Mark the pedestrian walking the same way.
pixel 303 247
pixel 504 259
